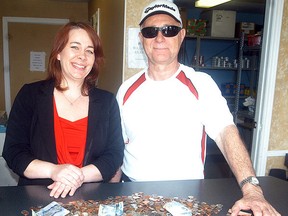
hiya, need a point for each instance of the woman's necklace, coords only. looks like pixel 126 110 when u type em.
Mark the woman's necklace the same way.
pixel 72 102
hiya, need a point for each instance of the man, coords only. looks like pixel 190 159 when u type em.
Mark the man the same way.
pixel 167 109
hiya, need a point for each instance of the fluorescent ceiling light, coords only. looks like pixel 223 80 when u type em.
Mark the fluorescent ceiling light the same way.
pixel 209 3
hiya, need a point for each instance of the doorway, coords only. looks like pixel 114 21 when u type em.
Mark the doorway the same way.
pixel 266 85
pixel 21 36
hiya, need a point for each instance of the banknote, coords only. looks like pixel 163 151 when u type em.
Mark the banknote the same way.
pixel 52 209
pixel 116 209
pixel 177 209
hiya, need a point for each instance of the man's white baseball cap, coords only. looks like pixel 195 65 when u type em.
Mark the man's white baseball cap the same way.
pixel 161 7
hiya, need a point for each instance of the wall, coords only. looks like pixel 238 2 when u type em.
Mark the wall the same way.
pixel 111 34
pixel 133 13
pixel 279 125
pixel 38 38
pixel 36 8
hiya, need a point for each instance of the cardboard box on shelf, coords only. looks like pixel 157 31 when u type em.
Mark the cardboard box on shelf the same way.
pixel 220 23
pixel 247 27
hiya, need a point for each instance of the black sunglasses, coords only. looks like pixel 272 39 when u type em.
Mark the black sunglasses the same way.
pixel 167 31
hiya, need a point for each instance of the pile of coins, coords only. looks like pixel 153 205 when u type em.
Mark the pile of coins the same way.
pixel 139 204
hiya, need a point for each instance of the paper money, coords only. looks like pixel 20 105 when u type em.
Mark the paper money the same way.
pixel 177 209
pixel 52 209
pixel 116 209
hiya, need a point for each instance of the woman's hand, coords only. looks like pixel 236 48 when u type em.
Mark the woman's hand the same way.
pixel 60 189
pixel 67 179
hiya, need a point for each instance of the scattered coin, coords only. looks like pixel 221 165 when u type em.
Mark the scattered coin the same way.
pixel 139 204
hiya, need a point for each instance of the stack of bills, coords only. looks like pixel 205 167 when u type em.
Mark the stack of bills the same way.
pixel 53 208
pixel 116 209
pixel 177 209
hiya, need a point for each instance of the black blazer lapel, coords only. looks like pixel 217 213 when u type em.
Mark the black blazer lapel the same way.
pixel 95 107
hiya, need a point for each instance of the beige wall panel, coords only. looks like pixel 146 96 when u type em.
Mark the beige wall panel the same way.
pixel 45 8
pixel 112 36
pixel 39 9
pixel 133 14
pixel 279 126
pixel 24 38
pixel 275 163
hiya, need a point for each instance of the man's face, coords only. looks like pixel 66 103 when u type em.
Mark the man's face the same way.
pixel 160 49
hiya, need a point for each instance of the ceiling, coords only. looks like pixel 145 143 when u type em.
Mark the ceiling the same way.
pixel 246 6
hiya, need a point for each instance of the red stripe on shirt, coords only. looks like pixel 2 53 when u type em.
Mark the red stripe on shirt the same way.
pixel 186 81
pixel 133 87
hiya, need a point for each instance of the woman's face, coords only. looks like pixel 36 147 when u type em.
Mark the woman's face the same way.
pixel 77 57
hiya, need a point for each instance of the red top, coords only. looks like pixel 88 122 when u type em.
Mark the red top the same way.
pixel 70 139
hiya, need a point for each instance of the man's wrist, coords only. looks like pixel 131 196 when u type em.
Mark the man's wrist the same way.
pixel 249 180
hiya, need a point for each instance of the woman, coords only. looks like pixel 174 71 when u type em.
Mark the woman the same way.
pixel 63 131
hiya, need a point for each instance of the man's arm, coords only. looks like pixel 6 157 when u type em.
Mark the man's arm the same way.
pixel 235 152
pixel 237 156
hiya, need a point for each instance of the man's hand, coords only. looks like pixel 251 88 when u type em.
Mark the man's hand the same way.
pixel 254 200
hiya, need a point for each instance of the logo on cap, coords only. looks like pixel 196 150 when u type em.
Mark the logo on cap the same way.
pixel 159 6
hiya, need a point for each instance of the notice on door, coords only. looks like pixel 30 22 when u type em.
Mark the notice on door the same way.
pixel 37 61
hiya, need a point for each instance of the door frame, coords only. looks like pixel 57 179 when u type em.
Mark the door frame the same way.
pixel 6 61
pixel 266 86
